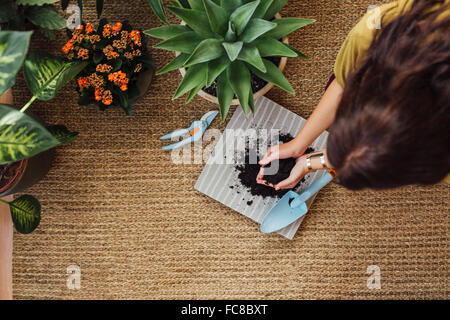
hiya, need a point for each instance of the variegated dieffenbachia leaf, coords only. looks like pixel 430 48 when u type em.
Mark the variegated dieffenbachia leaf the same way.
pixel 21 136
pixel 13 49
pixel 25 213
pixel 46 74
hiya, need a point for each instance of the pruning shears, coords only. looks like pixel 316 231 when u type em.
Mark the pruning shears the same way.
pixel 196 131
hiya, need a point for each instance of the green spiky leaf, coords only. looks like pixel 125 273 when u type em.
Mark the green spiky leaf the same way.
pixel 25 213
pixel 273 75
pixel 274 8
pixel 242 15
pixel 175 64
pixel 216 67
pixel 194 92
pixel 225 95
pixel 256 28
pixel 167 32
pixel 231 5
pixel 300 54
pixel 233 49
pixel 46 74
pixel 231 35
pixel 206 50
pixel 158 9
pixel 262 9
pixel 13 49
pixel 194 76
pixel 197 20
pixel 217 16
pixel 287 25
pixel 99 7
pixel 269 47
pixel 46 17
pixel 239 78
pixel 21 136
pixel 185 42
pixel 196 4
pixel 250 54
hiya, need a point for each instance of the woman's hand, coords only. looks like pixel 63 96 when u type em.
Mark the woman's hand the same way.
pixel 281 151
pixel 297 173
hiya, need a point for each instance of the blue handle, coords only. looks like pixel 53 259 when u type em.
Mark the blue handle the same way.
pixel 313 189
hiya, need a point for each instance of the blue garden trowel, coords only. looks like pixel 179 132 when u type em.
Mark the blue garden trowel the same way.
pixel 292 206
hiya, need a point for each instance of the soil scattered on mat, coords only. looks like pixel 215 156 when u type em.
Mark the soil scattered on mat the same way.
pixel 249 171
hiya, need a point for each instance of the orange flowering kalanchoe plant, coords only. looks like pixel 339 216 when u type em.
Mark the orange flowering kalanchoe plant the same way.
pixel 117 54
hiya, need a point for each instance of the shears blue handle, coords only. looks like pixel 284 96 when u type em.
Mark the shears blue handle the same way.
pixel 196 130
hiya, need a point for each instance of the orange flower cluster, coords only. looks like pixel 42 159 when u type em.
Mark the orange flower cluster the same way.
pixel 83 54
pixel 105 96
pixel 68 46
pixel 120 79
pixel 89 28
pixel 103 68
pixel 110 53
pixel 83 82
pixel 135 36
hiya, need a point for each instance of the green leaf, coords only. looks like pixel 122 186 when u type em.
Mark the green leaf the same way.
pixel 194 76
pixel 269 47
pixel 256 28
pixel 167 32
pixel 196 4
pixel 251 100
pixel 273 75
pixel 287 25
pixel 194 92
pixel 250 54
pixel 207 50
pixel 49 34
pixel 62 134
pixel 158 9
pixel 99 7
pixel 98 57
pixel 21 136
pixel 13 49
pixel 195 19
pixel 274 8
pixel 239 78
pixel 25 213
pixel 8 10
pixel 34 2
pixel 117 64
pixel 300 54
pixel 215 68
pixel 217 16
pixel 231 35
pixel 46 74
pixel 262 9
pixel 242 15
pixel 225 95
pixel 231 5
pixel 233 49
pixel 185 43
pixel 175 64
pixel 46 17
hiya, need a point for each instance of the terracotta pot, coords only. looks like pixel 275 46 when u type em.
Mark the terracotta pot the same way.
pixel 31 170
pixel 257 94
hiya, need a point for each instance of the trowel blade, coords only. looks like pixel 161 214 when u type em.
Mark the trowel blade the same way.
pixel 282 214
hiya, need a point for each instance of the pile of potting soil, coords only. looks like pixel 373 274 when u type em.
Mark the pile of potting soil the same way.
pixel 248 172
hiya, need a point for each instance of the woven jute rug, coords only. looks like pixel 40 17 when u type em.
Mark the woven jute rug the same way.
pixel 117 207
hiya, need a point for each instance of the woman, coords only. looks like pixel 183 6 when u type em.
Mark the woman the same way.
pixel 388 109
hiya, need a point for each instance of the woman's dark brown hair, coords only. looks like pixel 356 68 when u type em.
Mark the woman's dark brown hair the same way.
pixel 392 125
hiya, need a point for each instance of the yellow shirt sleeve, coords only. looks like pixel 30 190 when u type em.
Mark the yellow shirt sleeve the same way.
pixel 361 36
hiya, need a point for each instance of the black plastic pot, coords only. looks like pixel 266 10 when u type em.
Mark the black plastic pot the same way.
pixel 31 170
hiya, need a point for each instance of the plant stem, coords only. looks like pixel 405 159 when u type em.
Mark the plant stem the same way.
pixel 25 107
pixel 4 201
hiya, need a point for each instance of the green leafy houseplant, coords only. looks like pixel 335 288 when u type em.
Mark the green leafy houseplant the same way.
pixel 119 67
pixel 224 42
pixel 21 136
pixel 16 14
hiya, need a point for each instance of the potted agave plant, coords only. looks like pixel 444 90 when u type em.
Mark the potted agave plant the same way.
pixel 120 68
pixel 25 144
pixel 228 48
